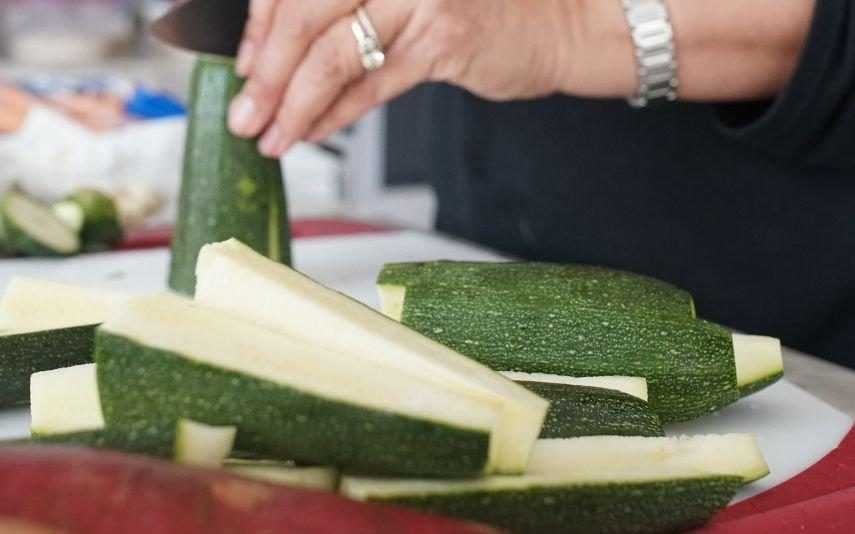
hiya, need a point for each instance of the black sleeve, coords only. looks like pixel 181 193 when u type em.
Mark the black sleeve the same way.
pixel 812 121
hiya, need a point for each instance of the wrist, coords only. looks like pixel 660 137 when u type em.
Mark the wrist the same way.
pixel 597 58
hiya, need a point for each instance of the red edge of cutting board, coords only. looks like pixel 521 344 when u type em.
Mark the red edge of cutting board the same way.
pixel 820 499
pixel 314 227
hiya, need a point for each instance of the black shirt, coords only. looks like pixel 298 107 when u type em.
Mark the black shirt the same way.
pixel 750 207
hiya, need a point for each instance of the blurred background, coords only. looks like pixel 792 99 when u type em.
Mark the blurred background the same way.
pixel 88 98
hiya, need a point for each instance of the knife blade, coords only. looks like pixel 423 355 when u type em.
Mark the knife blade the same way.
pixel 207 26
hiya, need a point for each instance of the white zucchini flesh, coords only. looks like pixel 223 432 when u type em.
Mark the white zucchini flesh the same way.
pixel 69 213
pixel 202 445
pixel 392 300
pixel 314 477
pixel 757 358
pixel 234 278
pixel 594 460
pixel 40 223
pixel 36 304
pixel 180 326
pixel 631 385
pixel 65 400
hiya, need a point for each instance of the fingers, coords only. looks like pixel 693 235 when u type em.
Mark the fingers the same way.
pixel 331 64
pixel 294 25
pixel 395 78
pixel 254 34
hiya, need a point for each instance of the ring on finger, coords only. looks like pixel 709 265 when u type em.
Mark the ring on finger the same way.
pixel 371 53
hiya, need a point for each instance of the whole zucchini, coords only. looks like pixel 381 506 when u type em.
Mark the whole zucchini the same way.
pixel 228 188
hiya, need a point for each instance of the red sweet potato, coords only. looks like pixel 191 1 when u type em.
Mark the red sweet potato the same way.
pixel 93 492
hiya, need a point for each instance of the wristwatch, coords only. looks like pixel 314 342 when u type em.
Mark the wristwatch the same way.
pixel 653 38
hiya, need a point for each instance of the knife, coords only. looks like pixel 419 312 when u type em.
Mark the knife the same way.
pixel 206 26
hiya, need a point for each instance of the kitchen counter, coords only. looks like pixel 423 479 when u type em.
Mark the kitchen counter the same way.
pixel 830 382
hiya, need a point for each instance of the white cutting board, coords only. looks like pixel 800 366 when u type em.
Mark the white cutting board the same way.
pixel 794 428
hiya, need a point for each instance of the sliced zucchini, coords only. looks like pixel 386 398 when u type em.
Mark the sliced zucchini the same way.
pixel 286 473
pixel 759 362
pixel 48 325
pixel 66 409
pixel 31 228
pixel 65 400
pixel 93 214
pixel 39 304
pixel 203 445
pixel 594 484
pixel 164 357
pixel 233 278
pixel 631 385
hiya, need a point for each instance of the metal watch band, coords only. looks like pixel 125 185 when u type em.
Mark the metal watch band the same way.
pixel 653 38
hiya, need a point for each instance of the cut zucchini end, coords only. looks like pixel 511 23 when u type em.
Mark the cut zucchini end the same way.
pixel 65 400
pixel 69 213
pixel 392 300
pixel 32 228
pixel 228 271
pixel 285 473
pixel 736 455
pixel 758 358
pixel 202 445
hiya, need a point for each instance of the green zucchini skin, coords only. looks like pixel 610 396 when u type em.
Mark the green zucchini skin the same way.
pixel 576 411
pixel 23 354
pixel 565 284
pixel 101 228
pixel 632 507
pixel 151 439
pixel 689 363
pixel 136 382
pixel 754 387
pixel 228 188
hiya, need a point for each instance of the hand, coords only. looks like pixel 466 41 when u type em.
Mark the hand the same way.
pixel 305 79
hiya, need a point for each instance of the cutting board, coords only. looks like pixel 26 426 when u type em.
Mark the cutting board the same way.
pixel 794 428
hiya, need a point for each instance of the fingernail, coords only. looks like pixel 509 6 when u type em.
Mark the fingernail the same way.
pixel 243 63
pixel 271 141
pixel 241 115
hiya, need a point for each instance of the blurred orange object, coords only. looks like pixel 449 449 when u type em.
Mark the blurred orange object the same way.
pixel 14 105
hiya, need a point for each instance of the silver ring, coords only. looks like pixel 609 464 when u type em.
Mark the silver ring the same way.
pixel 367 41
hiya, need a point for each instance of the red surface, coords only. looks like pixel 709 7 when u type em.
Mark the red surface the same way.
pixel 316 227
pixel 820 499
pixel 104 492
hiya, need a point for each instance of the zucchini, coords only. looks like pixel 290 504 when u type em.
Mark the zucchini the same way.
pixel 690 364
pixel 576 411
pixel 563 284
pixel 233 278
pixel 48 325
pixel 23 353
pixel 228 188
pixel 93 215
pixel 166 358
pixel 38 304
pixel 596 484
pixel 592 406
pixel 631 385
pixel 202 445
pixel 31 228
pixel 66 409
pixel 286 473
pixel 65 400
pixel 759 362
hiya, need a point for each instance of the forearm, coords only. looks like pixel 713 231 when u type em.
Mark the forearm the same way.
pixel 727 50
